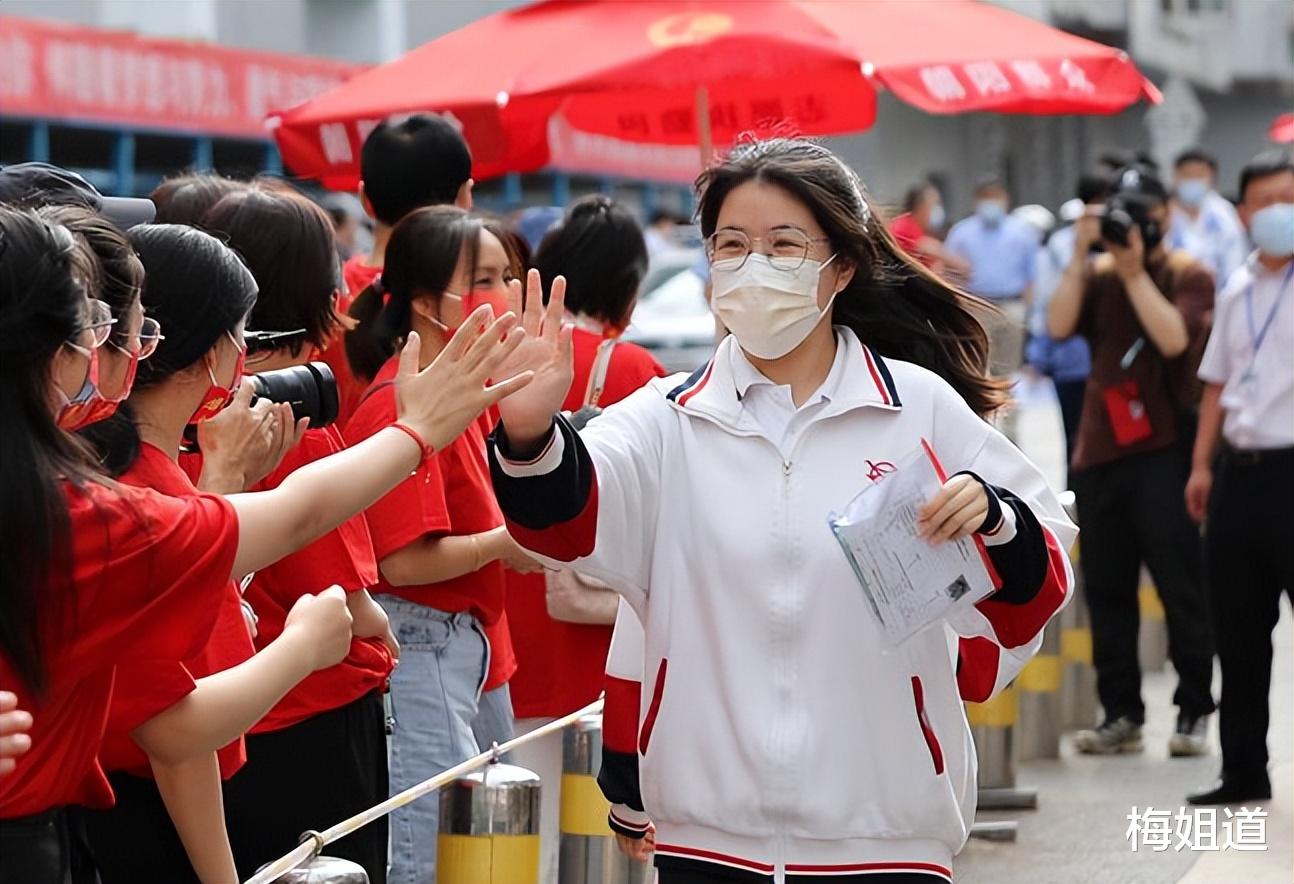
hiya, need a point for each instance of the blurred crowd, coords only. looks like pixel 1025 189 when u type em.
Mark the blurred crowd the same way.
pixel 222 544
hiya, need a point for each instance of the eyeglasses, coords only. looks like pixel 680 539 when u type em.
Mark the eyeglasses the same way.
pixel 98 320
pixel 787 248
pixel 150 335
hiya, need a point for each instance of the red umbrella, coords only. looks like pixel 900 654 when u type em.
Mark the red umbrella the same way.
pixel 562 78
pixel 1282 130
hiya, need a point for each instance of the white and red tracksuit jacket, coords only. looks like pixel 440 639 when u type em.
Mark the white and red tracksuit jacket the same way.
pixel 778 739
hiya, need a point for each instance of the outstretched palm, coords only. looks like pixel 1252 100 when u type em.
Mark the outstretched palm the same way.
pixel 546 351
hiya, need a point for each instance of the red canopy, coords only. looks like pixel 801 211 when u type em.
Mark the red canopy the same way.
pixel 572 80
pixel 1282 130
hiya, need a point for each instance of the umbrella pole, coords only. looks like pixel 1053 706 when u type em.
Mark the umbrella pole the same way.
pixel 704 140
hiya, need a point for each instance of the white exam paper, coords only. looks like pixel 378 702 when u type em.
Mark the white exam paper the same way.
pixel 908 582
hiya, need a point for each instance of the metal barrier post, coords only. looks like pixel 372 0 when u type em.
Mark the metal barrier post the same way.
pixel 588 850
pixel 1078 686
pixel 489 828
pixel 993 728
pixel 1039 686
pixel 1152 640
pixel 326 870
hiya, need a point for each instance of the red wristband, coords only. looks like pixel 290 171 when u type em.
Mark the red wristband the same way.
pixel 427 450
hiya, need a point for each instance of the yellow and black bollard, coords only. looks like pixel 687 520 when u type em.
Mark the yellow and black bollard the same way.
pixel 588 850
pixel 993 726
pixel 1078 685
pixel 489 828
pixel 1039 685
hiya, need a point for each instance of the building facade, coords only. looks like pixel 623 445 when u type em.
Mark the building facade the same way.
pixel 1226 68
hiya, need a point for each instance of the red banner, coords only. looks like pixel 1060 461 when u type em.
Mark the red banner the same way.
pixel 55 71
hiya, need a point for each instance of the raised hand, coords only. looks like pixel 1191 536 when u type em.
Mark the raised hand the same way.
pixel 442 399
pixel 547 353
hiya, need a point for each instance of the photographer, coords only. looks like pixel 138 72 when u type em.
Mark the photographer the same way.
pixel 287 243
pixel 1143 310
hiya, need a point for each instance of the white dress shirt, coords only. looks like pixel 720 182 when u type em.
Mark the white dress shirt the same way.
pixel 1257 387
pixel 1215 237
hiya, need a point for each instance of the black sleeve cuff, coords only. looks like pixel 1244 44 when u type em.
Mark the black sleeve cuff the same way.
pixel 540 502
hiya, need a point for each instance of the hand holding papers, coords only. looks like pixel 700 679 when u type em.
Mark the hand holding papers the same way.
pixel 909 583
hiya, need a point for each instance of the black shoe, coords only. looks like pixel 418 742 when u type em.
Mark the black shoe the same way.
pixel 1233 791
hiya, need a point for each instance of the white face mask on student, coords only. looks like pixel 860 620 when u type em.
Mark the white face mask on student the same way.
pixel 769 310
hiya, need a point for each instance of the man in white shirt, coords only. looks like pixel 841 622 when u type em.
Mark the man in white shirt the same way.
pixel 1248 371
pixel 1203 223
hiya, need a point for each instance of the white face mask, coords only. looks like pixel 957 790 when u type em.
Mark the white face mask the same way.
pixel 770 311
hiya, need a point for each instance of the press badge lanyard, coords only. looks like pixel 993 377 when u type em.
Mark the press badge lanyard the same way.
pixel 1256 335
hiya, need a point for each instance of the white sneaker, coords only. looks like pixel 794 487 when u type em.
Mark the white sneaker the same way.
pixel 1191 737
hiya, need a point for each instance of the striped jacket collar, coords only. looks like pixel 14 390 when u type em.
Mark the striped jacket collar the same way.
pixel 711 390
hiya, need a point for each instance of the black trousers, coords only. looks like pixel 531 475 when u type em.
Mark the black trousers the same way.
pixel 44 848
pixel 312 775
pixel 135 840
pixel 1070 396
pixel 1249 550
pixel 1133 511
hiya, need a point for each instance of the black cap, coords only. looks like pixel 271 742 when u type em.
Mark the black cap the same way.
pixel 40 184
pixel 1138 181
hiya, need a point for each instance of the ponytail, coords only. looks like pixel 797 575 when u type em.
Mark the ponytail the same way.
pixel 381 323
pixel 421 259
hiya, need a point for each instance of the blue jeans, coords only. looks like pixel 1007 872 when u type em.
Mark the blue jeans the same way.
pixel 434 695
pixel 494 720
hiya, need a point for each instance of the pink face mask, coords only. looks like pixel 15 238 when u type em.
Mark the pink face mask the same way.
pixel 99 407
pixel 69 412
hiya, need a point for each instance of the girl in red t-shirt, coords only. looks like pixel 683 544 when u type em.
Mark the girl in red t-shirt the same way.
pixel 99 574
pixel 286 242
pixel 439 537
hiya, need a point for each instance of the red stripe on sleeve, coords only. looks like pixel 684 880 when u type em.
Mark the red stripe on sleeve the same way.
pixel 977 663
pixel 620 715
pixel 1016 625
pixel 565 541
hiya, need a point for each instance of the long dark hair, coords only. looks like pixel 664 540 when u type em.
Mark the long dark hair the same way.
pixel 599 248
pixel 893 303
pixel 420 261
pixel 198 289
pixel 42 305
pixel 287 243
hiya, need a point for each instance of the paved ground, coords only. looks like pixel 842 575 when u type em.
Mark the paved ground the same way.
pixel 1077 835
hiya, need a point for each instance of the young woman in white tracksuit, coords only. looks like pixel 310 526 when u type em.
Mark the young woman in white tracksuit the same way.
pixel 777 740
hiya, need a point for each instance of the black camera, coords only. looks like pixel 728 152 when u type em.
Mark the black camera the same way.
pixel 1116 223
pixel 310 389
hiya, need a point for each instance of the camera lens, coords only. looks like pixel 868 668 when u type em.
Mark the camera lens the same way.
pixel 310 389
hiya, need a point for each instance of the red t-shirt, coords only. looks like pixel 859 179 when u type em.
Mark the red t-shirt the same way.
pixel 448 494
pixel 908 233
pixel 144 689
pixel 560 665
pixel 343 556
pixel 147 574
pixel 357 276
